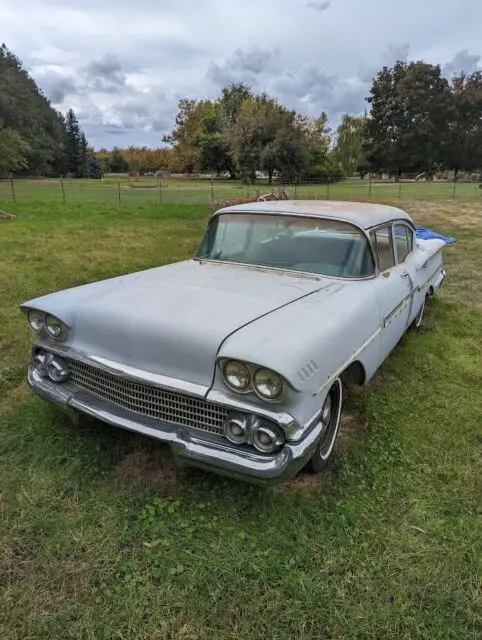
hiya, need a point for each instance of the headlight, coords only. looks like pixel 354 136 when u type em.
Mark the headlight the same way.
pixel 267 439
pixel 268 384
pixel 55 328
pixel 235 430
pixel 36 320
pixel 57 369
pixel 236 375
pixel 39 363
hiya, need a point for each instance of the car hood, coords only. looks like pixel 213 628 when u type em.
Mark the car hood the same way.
pixel 172 320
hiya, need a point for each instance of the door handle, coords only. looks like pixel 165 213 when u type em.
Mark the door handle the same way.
pixel 404 274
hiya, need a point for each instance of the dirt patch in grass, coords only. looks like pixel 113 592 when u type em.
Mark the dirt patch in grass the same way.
pixel 352 429
pixel 147 466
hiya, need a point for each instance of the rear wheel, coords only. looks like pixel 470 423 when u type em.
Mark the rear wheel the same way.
pixel 330 417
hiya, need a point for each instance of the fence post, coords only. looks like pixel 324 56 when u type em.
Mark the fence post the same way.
pixel 370 188
pixel 212 189
pixel 12 188
pixel 296 188
pixel 247 188
pixel 160 191
pixel 328 188
pixel 118 191
pixel 63 190
pixel 400 180
pixel 455 186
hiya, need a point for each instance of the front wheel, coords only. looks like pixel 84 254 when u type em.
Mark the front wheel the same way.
pixel 330 418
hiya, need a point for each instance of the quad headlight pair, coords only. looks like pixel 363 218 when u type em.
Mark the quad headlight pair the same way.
pixel 265 436
pixel 40 321
pixel 242 377
pixel 49 365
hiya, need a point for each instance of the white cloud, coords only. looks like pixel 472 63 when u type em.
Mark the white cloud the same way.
pixel 318 6
pixel 124 67
pixel 462 61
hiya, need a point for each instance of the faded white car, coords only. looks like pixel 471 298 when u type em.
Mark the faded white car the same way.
pixel 237 358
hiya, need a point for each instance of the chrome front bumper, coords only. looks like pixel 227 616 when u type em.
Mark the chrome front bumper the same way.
pixel 188 448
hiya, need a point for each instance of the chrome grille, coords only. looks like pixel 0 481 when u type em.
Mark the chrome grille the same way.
pixel 148 400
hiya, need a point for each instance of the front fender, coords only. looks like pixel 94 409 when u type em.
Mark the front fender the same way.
pixel 311 341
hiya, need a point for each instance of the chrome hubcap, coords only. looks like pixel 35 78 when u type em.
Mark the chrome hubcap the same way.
pixel 330 415
pixel 326 414
pixel 418 320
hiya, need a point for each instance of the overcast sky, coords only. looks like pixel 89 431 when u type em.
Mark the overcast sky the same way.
pixel 123 65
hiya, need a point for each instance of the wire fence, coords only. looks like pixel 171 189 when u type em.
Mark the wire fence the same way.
pixel 125 190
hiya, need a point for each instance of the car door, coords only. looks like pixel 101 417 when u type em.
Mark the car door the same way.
pixel 416 268
pixel 394 289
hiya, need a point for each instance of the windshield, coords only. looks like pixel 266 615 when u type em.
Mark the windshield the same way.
pixel 312 245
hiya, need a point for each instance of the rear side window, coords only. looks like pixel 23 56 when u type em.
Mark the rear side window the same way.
pixel 383 247
pixel 403 241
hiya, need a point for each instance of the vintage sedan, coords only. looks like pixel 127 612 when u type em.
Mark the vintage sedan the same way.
pixel 237 358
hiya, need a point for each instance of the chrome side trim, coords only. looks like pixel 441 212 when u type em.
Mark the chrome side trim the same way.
pixel 441 273
pixel 440 279
pixel 398 308
pixel 351 359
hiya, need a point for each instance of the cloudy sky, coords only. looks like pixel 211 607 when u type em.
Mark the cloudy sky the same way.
pixel 123 65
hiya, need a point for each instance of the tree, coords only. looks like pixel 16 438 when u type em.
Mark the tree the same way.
pixel 410 113
pixel 349 144
pixel 201 137
pixel 212 140
pixel 185 132
pixel 14 151
pixel 318 140
pixel 95 171
pixel 463 145
pixel 25 110
pixel 266 137
pixel 76 148
pixel 117 162
pixel 84 157
pixel 231 100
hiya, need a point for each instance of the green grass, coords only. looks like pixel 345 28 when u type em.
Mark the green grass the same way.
pixel 127 192
pixel 103 538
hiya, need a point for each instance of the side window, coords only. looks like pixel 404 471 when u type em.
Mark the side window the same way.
pixel 403 241
pixel 383 247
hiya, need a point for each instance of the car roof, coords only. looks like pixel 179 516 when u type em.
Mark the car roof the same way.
pixel 362 214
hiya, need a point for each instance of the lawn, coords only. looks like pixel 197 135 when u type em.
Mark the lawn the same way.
pixel 103 538
pixel 133 191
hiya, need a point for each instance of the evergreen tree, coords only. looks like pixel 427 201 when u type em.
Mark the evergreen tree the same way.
pixel 95 170
pixel 84 157
pixel 73 144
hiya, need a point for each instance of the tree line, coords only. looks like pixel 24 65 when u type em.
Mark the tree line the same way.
pixel 34 137
pixel 242 133
pixel 421 121
pixel 416 121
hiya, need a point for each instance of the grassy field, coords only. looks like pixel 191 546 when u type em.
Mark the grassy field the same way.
pixel 102 538
pixel 125 191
